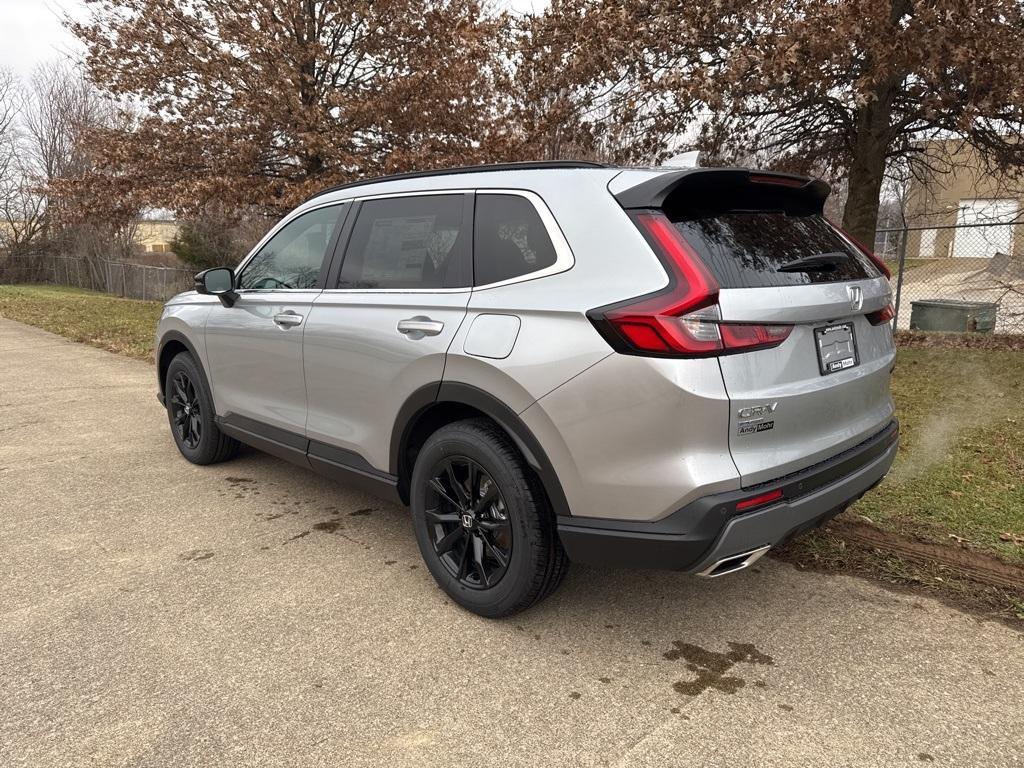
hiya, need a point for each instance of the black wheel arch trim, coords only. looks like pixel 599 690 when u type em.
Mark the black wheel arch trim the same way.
pixel 181 338
pixel 438 393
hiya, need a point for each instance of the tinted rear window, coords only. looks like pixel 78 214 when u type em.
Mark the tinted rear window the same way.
pixel 509 239
pixel 744 249
pixel 420 241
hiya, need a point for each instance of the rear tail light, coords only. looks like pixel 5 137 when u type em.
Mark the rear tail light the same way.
pixel 683 319
pixel 883 315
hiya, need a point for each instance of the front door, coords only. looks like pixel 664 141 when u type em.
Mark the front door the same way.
pixel 254 348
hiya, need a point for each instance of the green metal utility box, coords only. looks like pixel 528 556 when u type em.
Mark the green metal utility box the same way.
pixel 952 315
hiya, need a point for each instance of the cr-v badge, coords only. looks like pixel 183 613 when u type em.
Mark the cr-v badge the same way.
pixel 755 415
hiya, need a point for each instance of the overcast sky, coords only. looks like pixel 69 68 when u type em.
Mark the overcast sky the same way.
pixel 31 31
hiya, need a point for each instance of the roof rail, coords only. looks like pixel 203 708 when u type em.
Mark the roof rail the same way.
pixel 530 165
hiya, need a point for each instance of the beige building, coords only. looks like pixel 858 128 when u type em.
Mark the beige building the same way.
pixel 966 212
pixel 155 235
pixel 151 235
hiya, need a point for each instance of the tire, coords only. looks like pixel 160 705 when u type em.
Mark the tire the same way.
pixel 511 520
pixel 197 436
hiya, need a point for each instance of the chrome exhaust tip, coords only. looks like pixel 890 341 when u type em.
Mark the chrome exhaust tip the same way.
pixel 734 563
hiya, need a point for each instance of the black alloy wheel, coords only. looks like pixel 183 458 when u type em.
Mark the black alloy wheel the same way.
pixel 186 411
pixel 482 520
pixel 468 522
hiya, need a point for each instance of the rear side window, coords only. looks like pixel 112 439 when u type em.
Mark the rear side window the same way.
pixel 745 249
pixel 509 239
pixel 420 241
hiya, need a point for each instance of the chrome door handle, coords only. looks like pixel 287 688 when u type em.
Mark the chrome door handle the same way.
pixel 418 327
pixel 288 318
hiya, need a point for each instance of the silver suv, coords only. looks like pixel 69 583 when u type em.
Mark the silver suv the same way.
pixel 553 361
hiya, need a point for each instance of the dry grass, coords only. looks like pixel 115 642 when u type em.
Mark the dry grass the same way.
pixel 959 474
pixel 125 326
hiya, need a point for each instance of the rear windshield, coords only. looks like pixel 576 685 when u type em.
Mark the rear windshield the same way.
pixel 744 249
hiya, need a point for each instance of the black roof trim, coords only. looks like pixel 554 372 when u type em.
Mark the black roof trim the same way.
pixel 654 192
pixel 532 165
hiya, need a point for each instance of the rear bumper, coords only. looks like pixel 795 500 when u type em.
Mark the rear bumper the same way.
pixel 709 530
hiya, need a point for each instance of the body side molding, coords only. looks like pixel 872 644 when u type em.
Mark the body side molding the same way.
pixel 336 463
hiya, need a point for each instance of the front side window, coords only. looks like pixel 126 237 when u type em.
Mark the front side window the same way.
pixel 419 241
pixel 509 239
pixel 292 258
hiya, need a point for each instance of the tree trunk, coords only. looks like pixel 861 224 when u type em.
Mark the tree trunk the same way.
pixel 867 170
pixel 871 146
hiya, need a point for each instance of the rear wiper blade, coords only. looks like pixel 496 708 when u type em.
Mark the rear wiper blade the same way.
pixel 821 262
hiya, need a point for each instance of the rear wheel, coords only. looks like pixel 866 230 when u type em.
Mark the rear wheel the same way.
pixel 190 414
pixel 482 523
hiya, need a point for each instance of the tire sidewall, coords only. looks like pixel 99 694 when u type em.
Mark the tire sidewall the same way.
pixel 450 442
pixel 202 453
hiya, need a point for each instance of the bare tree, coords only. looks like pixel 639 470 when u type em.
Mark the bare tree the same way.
pixel 21 207
pixel 8 115
pixel 44 124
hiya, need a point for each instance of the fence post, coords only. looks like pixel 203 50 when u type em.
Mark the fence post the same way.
pixel 899 278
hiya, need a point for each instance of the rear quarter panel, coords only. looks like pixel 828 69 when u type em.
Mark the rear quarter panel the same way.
pixel 556 341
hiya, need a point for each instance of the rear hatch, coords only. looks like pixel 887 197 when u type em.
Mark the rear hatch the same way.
pixel 784 275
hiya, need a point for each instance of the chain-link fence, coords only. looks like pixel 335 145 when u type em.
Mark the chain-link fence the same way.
pixel 967 278
pixel 134 281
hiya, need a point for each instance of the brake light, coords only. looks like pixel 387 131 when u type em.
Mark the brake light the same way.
pixel 683 320
pixel 883 315
pixel 784 181
pixel 759 501
pixel 867 252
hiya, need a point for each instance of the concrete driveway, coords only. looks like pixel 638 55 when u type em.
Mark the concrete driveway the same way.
pixel 157 613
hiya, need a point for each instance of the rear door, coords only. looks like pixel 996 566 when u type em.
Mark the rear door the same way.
pixel 826 388
pixel 383 326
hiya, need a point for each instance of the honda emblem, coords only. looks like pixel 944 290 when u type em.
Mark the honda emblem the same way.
pixel 856 297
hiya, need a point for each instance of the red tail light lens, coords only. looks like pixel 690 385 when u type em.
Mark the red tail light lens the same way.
pixel 884 315
pixel 683 319
pixel 743 336
pixel 785 181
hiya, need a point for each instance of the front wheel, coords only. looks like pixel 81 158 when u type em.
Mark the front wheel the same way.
pixel 483 525
pixel 190 414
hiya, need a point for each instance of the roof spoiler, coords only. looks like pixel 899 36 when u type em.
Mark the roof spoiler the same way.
pixel 655 192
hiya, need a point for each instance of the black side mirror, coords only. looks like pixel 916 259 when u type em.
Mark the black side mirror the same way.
pixel 219 282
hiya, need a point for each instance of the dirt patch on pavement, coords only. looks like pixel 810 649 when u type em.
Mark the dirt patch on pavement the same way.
pixel 710 667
